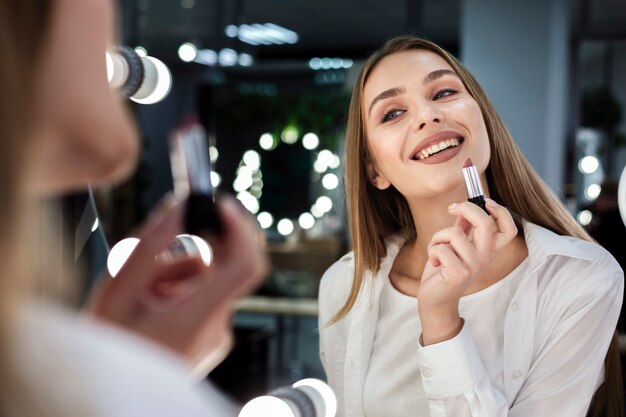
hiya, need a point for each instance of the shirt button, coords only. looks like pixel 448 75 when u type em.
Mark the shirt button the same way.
pixel 514 307
pixel 516 374
pixel 427 372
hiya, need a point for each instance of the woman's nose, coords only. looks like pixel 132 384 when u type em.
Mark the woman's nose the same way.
pixel 427 115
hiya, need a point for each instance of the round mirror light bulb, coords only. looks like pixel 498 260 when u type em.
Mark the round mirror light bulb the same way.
pixel 156 84
pixel 321 394
pixel 119 254
pixel 266 406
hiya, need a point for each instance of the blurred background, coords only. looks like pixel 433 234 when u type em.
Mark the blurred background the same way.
pixel 270 81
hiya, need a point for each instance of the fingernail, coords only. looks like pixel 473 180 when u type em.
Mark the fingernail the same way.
pixel 491 203
pixel 452 206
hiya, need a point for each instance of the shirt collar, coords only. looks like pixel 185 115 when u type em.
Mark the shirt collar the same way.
pixel 542 242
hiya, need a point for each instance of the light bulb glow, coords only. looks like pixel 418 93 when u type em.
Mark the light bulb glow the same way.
pixel 110 68
pixel 119 254
pixel 589 164
pixel 326 394
pixel 141 51
pixel 213 154
pixel 593 191
pixel 324 204
pixel 252 159
pixel 266 141
pixel 187 52
pixel 306 221
pixel 216 179
pixel 310 141
pixel 197 246
pixel 265 220
pixel 330 181
pixel 285 227
pixel 266 406
pixel 95 225
pixel 163 80
pixel 584 217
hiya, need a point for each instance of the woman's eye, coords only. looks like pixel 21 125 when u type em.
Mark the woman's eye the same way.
pixel 444 93
pixel 391 115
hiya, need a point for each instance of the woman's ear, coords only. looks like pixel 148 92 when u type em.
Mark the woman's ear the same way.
pixel 375 178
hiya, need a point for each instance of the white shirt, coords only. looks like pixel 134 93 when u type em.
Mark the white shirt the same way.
pixel 79 367
pixel 397 335
pixel 556 331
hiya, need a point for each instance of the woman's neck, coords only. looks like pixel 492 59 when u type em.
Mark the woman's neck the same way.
pixel 431 216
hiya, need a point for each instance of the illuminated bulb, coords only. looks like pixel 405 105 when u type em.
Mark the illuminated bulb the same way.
pixel 249 201
pixel 216 179
pixel 321 394
pixel 289 135
pixel 330 181
pixel 306 398
pixel 593 191
pixel 141 51
pixel 310 141
pixel 589 164
pixel 315 211
pixel 119 254
pixel 265 219
pixel 231 31
pixel 187 52
pixel 306 221
pixel 156 84
pixel 266 141
pixel 245 60
pixel 213 154
pixel 141 78
pixel 324 204
pixel 227 57
pixel 252 159
pixel 315 63
pixel 95 225
pixel 285 227
pixel 319 166
pixel 266 406
pixel 584 217
pixel 334 162
pixel 195 245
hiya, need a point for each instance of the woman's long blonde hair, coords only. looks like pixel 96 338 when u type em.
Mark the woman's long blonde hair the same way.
pixel 374 215
pixel 23 26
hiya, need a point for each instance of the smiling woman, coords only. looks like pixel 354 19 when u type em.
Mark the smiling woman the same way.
pixel 477 313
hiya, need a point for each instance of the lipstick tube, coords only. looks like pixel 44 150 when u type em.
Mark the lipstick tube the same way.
pixel 474 188
pixel 191 172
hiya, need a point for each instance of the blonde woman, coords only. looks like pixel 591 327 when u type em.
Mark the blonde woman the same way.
pixel 62 128
pixel 443 308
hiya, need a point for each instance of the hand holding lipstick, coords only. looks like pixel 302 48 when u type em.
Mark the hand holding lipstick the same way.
pixel 457 256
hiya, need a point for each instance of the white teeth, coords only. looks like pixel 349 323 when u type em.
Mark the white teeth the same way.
pixel 437 147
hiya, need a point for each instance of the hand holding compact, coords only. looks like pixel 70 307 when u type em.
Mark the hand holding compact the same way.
pixel 456 257
pixel 182 303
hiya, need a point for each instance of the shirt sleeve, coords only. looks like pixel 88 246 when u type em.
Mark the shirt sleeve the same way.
pixel 566 370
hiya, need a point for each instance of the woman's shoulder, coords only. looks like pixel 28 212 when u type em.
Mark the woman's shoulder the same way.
pixel 111 371
pixel 336 283
pixel 566 264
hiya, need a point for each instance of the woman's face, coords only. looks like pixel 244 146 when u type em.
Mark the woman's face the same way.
pixel 82 131
pixel 421 125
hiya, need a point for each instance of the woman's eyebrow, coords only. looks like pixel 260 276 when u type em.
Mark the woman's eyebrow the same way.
pixel 438 74
pixel 392 92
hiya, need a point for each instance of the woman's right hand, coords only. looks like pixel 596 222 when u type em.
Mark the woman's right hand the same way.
pixel 183 304
pixel 456 257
